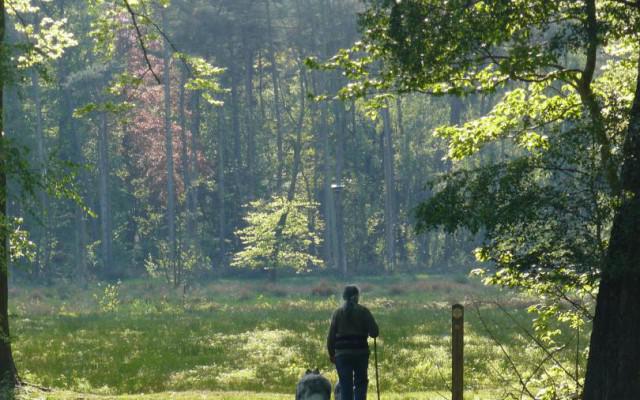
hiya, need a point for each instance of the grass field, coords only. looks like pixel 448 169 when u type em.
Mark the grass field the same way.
pixel 252 340
pixel 204 395
pixel 34 394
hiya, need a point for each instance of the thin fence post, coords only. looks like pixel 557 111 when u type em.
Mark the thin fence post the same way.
pixel 457 351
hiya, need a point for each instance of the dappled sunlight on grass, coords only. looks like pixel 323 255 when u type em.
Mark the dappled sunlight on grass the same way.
pixel 209 340
pixel 234 395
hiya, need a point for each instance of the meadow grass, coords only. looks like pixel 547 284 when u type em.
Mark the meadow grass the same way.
pixel 28 394
pixel 246 339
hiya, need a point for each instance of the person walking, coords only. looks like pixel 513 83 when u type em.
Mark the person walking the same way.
pixel 351 325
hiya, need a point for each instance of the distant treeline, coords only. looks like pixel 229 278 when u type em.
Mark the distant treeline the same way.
pixel 253 162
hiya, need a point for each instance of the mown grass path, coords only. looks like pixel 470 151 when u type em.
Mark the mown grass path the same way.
pixel 235 336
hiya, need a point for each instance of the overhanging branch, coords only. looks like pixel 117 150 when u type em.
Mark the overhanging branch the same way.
pixel 141 40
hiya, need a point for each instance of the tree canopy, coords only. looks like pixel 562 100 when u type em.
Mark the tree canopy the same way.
pixel 179 138
pixel 553 208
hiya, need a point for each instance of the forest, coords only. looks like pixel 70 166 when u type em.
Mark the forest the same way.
pixel 187 185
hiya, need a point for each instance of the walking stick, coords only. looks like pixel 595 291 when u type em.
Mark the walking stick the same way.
pixel 375 354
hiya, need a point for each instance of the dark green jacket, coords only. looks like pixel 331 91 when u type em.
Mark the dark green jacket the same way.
pixel 349 330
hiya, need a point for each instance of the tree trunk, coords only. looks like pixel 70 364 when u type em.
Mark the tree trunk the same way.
pixel 315 187
pixel 331 241
pixel 103 192
pixel 43 251
pixel 448 249
pixel 341 132
pixel 250 125
pixel 295 170
pixel 73 152
pixel 328 203
pixel 404 186
pixel 186 163
pixel 389 192
pixel 613 370
pixel 222 218
pixel 8 375
pixel 276 102
pixel 81 241
pixel 196 114
pixel 80 253
pixel 455 117
pixel 589 100
pixel 171 200
pixel 237 143
pixel 297 147
pixel 261 101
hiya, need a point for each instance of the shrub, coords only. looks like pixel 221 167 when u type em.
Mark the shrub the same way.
pixel 365 287
pixel 274 290
pixel 244 295
pixel 461 279
pixel 323 289
pixel 109 299
pixel 397 290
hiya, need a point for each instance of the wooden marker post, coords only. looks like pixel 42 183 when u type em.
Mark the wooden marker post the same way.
pixel 457 351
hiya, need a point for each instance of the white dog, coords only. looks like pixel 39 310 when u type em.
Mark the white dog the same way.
pixel 313 386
